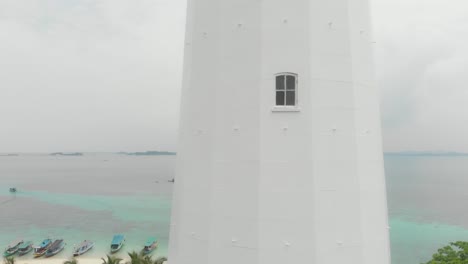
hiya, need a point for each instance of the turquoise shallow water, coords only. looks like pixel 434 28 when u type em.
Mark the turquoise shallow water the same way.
pixel 414 242
pixel 427 199
pixel 91 217
pixel 97 195
pixel 91 197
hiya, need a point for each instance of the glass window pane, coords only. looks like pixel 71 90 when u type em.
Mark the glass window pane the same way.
pixel 290 98
pixel 279 98
pixel 291 82
pixel 280 82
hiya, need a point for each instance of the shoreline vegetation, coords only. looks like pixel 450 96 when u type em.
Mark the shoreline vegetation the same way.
pixel 66 154
pixel 427 153
pixel 78 154
pixel 148 153
pixel 172 153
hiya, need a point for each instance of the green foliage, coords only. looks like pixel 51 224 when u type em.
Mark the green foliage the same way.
pixel 111 260
pixel 9 260
pixel 71 261
pixel 135 258
pixel 454 253
pixel 139 258
pixel 160 260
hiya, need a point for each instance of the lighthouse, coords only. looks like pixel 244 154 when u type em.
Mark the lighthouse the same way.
pixel 279 157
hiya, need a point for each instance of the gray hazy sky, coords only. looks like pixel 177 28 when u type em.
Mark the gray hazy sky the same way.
pixel 105 75
pixel 422 71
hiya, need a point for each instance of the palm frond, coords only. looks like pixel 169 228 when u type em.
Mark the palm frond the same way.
pixel 160 260
pixel 9 260
pixel 111 260
pixel 71 261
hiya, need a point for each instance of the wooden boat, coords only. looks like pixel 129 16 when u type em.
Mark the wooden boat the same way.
pixel 12 248
pixel 82 248
pixel 55 248
pixel 40 250
pixel 117 243
pixel 150 245
pixel 25 248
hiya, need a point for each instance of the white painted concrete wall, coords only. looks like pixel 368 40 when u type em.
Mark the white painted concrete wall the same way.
pixel 255 185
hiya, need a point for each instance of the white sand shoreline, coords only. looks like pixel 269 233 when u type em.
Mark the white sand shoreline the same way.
pixel 61 260
pixel 81 260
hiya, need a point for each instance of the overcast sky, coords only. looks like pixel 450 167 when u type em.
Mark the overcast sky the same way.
pixel 105 75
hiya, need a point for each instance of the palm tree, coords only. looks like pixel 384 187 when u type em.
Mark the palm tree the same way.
pixel 135 258
pixel 9 260
pixel 139 258
pixel 111 260
pixel 148 259
pixel 71 261
pixel 160 260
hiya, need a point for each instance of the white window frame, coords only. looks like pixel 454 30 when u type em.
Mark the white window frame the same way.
pixel 287 108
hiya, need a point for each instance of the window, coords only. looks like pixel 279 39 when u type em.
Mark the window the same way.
pixel 286 89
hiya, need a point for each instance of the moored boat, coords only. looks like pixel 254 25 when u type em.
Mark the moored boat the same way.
pixel 12 248
pixel 25 248
pixel 150 245
pixel 40 250
pixel 117 243
pixel 82 248
pixel 55 248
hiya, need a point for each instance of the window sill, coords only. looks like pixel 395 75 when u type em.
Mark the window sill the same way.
pixel 285 109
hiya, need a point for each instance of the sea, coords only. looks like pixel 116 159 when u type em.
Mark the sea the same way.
pixel 97 195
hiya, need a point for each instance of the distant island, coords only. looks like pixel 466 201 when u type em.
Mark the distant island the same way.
pixel 148 153
pixel 66 154
pixel 428 153
pixel 9 155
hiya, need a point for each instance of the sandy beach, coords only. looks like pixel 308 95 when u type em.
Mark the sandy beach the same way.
pixel 61 260
pixel 81 260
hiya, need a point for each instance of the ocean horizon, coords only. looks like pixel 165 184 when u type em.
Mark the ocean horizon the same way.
pixel 97 195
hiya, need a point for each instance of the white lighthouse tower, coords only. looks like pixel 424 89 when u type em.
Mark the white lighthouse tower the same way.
pixel 280 158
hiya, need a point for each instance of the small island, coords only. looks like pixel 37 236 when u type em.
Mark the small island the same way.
pixel 66 154
pixel 149 153
pixel 428 153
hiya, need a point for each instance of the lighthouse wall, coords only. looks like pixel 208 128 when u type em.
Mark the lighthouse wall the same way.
pixel 260 183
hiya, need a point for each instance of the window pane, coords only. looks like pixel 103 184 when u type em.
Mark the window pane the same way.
pixel 290 82
pixel 290 98
pixel 279 98
pixel 280 82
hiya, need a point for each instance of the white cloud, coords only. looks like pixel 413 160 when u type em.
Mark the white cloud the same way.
pixel 90 75
pixel 422 71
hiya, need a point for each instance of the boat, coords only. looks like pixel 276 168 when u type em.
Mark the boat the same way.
pixel 117 243
pixel 12 248
pixel 150 245
pixel 82 248
pixel 40 250
pixel 25 248
pixel 55 248
pixel 13 190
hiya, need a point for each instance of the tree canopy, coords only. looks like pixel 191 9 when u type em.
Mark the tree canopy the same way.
pixel 454 253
